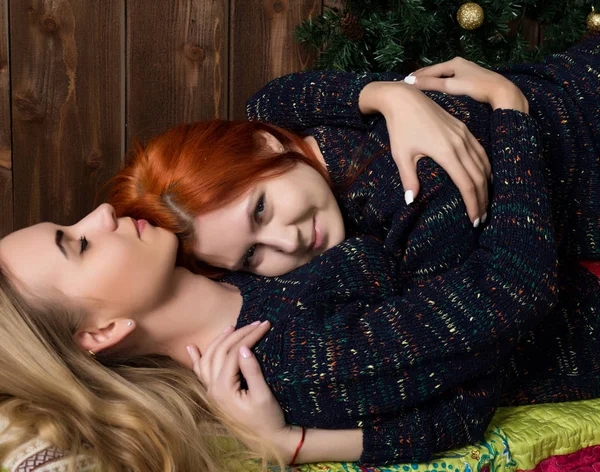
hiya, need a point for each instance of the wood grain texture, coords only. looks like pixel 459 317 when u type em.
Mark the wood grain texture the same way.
pixel 6 200
pixel 66 103
pixel 333 4
pixel 176 63
pixel 263 45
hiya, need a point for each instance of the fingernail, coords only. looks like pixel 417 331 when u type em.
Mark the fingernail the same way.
pixel 229 328
pixel 409 197
pixel 189 350
pixel 255 323
pixel 264 322
pixel 492 178
pixel 484 218
pixel 245 352
pixel 410 79
pixel 476 223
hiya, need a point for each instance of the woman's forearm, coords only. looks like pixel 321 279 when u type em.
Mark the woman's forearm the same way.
pixel 321 445
pixel 375 97
pixel 510 98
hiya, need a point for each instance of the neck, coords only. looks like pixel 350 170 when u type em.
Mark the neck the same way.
pixel 314 146
pixel 196 312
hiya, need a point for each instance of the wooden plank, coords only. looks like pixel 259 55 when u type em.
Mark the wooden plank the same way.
pixel 66 102
pixel 6 201
pixel 263 46
pixel 176 63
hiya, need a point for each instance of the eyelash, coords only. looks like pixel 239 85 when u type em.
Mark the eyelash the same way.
pixel 84 244
pixel 260 208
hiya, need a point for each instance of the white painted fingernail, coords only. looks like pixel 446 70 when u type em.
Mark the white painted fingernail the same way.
pixel 410 79
pixel 484 218
pixel 409 197
pixel 476 223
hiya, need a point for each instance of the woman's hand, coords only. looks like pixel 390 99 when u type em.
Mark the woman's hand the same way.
pixel 419 127
pixel 255 408
pixel 462 77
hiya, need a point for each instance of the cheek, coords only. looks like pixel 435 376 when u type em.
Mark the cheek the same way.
pixel 126 278
pixel 218 241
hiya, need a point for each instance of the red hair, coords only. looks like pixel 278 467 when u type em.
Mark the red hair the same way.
pixel 196 168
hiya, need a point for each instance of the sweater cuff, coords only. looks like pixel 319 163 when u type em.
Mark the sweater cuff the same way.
pixel 517 139
pixel 338 98
pixel 405 440
pixel 317 98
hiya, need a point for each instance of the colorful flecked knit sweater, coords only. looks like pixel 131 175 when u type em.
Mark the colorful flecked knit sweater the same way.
pixel 564 97
pixel 353 344
pixel 476 333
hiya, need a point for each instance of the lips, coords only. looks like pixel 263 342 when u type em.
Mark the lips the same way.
pixel 139 226
pixel 318 237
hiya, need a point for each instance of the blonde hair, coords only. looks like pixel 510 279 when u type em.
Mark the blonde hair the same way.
pixel 142 414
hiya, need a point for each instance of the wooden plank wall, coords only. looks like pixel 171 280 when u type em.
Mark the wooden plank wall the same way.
pixel 6 198
pixel 176 64
pixel 265 26
pixel 65 60
pixel 86 76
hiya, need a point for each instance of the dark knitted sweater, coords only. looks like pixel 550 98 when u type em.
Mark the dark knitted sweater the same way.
pixel 400 368
pixel 559 360
pixel 414 364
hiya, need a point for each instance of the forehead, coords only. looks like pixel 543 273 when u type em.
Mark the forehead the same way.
pixel 31 254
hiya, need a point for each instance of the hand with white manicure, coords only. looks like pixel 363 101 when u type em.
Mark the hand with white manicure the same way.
pixel 419 127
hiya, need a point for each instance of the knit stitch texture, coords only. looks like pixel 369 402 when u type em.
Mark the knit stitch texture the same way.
pixel 416 332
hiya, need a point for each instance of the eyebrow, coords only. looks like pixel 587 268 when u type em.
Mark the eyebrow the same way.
pixel 58 240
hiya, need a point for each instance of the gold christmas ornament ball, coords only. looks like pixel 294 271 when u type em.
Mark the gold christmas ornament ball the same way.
pixel 593 21
pixel 470 16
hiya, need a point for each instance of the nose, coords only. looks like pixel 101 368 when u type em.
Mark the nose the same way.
pixel 102 218
pixel 283 238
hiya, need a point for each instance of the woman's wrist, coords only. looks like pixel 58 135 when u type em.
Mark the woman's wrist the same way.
pixel 375 97
pixel 510 98
pixel 287 441
pixel 319 445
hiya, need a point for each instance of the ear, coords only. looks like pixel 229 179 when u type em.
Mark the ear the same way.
pixel 107 335
pixel 267 140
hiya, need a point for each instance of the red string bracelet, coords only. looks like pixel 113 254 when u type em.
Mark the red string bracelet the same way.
pixel 293 462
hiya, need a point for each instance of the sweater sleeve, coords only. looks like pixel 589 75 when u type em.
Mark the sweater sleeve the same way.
pixel 457 418
pixel 409 349
pixel 317 98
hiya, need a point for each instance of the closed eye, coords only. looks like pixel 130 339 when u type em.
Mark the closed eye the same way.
pixel 84 244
